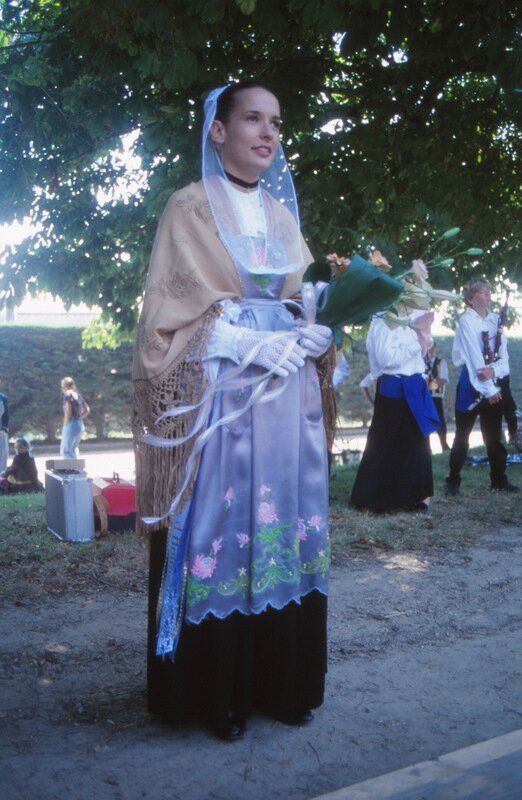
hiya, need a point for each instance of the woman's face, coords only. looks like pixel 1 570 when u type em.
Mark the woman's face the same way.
pixel 249 140
pixel 20 447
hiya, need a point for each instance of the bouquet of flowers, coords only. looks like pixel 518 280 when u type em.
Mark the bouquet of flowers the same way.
pixel 356 289
pixel 417 293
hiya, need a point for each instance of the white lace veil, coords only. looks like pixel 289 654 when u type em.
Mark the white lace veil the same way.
pixel 281 252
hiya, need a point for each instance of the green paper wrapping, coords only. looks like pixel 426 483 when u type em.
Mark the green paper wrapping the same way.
pixel 358 293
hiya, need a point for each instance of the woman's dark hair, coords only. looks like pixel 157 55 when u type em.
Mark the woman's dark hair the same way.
pixel 227 98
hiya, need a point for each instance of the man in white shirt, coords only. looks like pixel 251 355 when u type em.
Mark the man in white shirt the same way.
pixel 483 363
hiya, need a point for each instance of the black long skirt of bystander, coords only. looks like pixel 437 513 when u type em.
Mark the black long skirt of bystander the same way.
pixel 395 472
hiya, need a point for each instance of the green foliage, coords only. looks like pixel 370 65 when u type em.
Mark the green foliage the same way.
pixel 99 335
pixel 423 126
pixel 104 377
pixel 34 360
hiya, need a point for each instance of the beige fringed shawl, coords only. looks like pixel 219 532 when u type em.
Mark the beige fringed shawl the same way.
pixel 189 271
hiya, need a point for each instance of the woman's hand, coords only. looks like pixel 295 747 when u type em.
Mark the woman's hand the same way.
pixel 315 339
pixel 277 352
pixel 485 373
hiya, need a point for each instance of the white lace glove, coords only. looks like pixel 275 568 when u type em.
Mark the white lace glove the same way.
pixel 315 339
pixel 236 342
pixel 282 354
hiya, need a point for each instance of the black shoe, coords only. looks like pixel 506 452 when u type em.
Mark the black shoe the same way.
pixel 232 730
pixel 506 487
pixel 235 732
pixel 452 489
pixel 302 718
pixel 420 508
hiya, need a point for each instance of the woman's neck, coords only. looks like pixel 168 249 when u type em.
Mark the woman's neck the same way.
pixel 245 185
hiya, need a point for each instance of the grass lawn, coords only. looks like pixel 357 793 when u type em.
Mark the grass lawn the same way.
pixel 35 564
pixel 451 521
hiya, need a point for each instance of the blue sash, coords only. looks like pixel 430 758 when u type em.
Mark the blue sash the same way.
pixel 415 391
pixel 467 396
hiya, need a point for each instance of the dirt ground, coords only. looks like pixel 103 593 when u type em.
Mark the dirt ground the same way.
pixel 425 656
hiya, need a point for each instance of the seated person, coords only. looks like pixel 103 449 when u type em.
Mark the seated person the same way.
pixel 22 475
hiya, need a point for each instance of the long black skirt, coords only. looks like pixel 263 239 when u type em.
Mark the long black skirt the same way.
pixel 274 662
pixel 395 471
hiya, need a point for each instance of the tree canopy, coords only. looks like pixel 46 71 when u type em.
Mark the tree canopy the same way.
pixel 401 118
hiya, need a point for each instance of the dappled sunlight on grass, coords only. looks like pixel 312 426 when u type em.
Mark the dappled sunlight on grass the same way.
pixel 405 561
pixel 56 647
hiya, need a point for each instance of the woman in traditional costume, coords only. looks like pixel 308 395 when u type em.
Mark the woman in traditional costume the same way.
pixel 395 472
pixel 231 457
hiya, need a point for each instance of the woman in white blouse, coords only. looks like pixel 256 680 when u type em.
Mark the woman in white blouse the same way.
pixel 238 581
pixel 395 471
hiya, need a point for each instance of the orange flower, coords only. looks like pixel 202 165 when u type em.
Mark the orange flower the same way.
pixel 339 263
pixel 378 260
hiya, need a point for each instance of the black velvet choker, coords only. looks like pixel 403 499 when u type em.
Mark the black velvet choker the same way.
pixel 241 182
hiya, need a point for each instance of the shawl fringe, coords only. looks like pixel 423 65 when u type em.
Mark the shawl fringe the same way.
pixel 160 470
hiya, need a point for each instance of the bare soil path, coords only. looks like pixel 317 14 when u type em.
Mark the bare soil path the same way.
pixel 425 658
